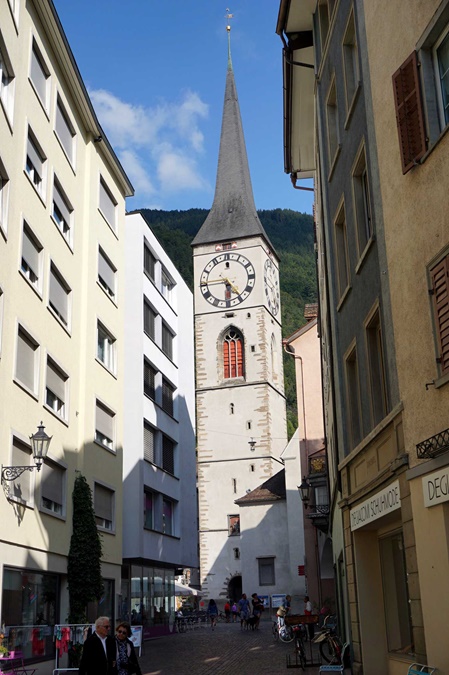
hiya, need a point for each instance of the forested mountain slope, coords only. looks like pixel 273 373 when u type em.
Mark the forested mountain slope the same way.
pixel 291 234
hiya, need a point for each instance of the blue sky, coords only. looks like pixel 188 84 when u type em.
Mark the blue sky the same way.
pixel 155 70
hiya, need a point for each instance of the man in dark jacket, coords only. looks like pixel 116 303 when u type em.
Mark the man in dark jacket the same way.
pixel 99 656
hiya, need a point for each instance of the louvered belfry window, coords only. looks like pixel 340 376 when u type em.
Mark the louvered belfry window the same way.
pixel 233 354
pixel 440 296
pixel 409 113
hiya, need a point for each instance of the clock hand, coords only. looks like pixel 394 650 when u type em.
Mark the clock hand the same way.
pixel 222 280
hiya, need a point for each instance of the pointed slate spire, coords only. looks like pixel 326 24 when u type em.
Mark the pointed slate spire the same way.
pixel 233 214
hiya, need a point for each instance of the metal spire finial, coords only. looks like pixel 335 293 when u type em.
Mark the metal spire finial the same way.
pixel 229 16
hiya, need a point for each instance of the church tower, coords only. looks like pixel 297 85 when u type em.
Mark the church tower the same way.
pixel 240 403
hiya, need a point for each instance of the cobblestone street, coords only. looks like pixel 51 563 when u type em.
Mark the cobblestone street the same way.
pixel 225 650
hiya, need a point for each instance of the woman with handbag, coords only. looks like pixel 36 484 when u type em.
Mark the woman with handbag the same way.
pixel 127 662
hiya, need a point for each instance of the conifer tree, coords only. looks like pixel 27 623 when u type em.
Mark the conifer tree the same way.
pixel 84 562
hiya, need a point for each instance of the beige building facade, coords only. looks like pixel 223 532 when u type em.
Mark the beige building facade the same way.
pixel 62 219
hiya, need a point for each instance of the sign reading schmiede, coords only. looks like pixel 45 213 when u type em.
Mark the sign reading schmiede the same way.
pixel 383 502
pixel 436 487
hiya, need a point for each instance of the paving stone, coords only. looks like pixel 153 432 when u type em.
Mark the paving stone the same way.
pixel 226 650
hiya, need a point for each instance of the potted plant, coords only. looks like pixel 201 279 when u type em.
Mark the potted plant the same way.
pixel 3 652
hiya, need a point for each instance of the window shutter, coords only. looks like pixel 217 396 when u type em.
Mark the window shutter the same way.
pixel 168 455
pixel 106 272
pixel 21 455
pixel 226 364
pixel 149 375
pixel 104 422
pixel 30 253
pixel 103 502
pixel 38 75
pixel 35 157
pixel 439 278
pixel 61 204
pixel 107 205
pixel 148 443
pixel 52 481
pixel 63 130
pixel 55 381
pixel 409 112
pixel 25 360
pixel 167 397
pixel 58 295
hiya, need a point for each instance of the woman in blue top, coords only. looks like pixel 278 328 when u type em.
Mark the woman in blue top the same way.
pixel 244 609
pixel 212 611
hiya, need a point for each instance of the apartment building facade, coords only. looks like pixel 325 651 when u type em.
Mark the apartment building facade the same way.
pixel 62 221
pixel 160 518
pixel 329 135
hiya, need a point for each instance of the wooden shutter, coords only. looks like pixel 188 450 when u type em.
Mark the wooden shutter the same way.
pixel 409 112
pixel 226 364
pixel 440 291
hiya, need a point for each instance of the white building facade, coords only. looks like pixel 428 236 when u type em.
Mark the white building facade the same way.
pixel 160 519
pixel 62 220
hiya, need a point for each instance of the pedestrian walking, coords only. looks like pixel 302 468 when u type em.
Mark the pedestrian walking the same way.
pixel 308 612
pixel 99 654
pixel 126 657
pixel 258 608
pixel 227 611
pixel 244 610
pixel 212 611
pixel 234 611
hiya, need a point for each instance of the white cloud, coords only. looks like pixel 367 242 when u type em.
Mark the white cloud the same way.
pixel 157 146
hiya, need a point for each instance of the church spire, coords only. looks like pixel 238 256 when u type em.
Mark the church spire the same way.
pixel 233 214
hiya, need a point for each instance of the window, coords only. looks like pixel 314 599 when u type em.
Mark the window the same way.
pixel 31 258
pixel 395 592
pixel 441 60
pixel 7 82
pixel 350 62
pixel 104 507
pixel 376 368
pixel 167 341
pixel 150 499
pixel 62 211
pixel 149 443
pixel 149 380
pixel 233 525
pixel 65 131
pixel 39 75
pixel 36 164
pixel 362 201
pixel 106 274
pixel 104 426
pixel 21 488
pixel 168 454
pixel 323 16
pixel 236 553
pixel 234 485
pixel 168 507
pixel 4 195
pixel 167 397
pixel 59 296
pixel 233 354
pixel 266 572
pixel 105 347
pixel 353 398
pixel 439 291
pixel 27 360
pixel 409 113
pixel 149 263
pixel 167 285
pixel 52 488
pixel 231 408
pixel 332 123
pixel 56 389
pixel 341 245
pixel 149 319
pixel 108 205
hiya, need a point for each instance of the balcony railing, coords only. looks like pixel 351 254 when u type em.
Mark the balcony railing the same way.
pixel 433 446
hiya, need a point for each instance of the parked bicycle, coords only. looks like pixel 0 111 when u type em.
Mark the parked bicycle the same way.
pixel 330 644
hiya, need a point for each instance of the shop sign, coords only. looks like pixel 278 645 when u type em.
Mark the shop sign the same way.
pixel 383 502
pixel 436 487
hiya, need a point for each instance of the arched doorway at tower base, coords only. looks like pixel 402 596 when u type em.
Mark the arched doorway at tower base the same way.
pixel 235 588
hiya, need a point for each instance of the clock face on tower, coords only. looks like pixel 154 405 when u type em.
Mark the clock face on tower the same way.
pixel 227 280
pixel 271 283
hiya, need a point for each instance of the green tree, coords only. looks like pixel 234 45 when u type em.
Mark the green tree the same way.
pixel 84 562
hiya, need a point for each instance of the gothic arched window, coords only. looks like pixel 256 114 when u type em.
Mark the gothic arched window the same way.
pixel 232 354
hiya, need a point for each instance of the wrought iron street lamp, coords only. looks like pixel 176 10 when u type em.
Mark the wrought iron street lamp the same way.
pixel 40 442
pixel 304 491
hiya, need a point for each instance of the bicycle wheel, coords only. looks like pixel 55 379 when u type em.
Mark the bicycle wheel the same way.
pixel 275 630
pixel 301 653
pixel 286 634
pixel 328 652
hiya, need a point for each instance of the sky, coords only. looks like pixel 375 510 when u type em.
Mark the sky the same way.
pixel 155 71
